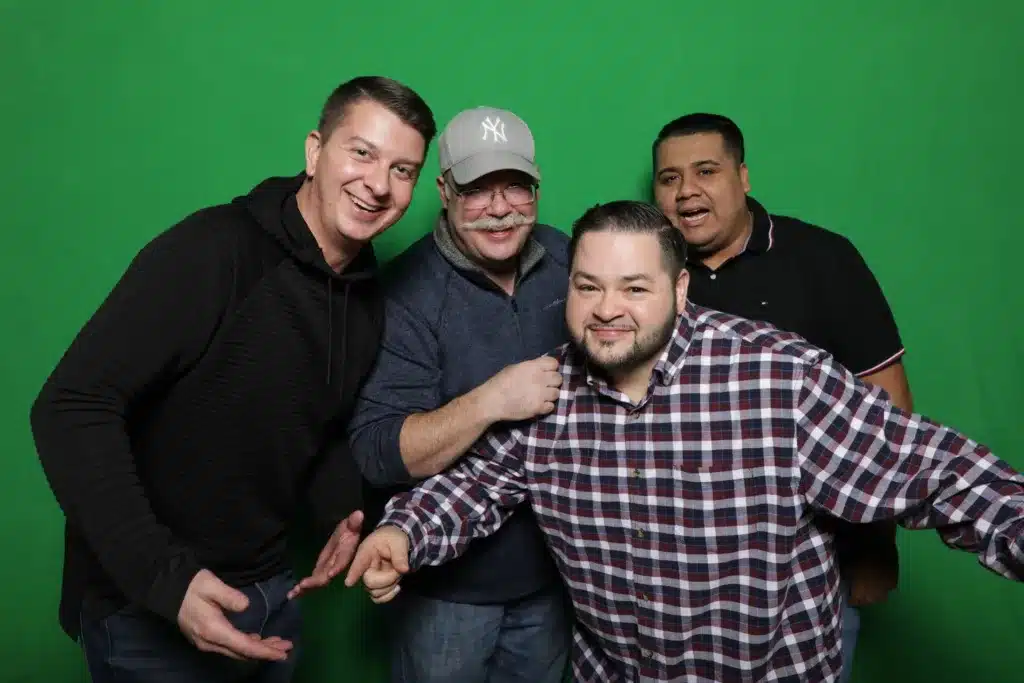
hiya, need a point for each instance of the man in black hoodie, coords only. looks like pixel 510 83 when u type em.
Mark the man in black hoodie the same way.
pixel 209 394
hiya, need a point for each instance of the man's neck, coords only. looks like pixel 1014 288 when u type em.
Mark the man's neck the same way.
pixel 735 247
pixel 336 255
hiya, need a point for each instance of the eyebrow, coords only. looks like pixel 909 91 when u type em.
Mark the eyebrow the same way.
pixel 702 162
pixel 625 278
pixel 356 138
pixel 376 149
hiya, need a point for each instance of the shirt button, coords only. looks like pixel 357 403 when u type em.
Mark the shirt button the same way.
pixel 714 276
pixel 646 654
pixel 636 473
pixel 640 533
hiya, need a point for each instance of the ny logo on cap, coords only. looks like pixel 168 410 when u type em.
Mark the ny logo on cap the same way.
pixel 496 128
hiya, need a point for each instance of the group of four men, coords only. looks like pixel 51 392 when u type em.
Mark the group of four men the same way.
pixel 594 451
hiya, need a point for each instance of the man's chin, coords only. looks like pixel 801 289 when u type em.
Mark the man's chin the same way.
pixel 361 232
pixel 700 240
pixel 604 360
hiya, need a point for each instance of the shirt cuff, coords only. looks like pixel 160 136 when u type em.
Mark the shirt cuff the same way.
pixel 414 529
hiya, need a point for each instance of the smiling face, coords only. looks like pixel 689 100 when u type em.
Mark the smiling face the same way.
pixel 623 302
pixel 362 176
pixel 702 188
pixel 492 217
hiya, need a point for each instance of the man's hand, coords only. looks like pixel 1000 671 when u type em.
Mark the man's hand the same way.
pixel 525 390
pixel 381 560
pixel 335 556
pixel 874 567
pixel 201 618
pixel 871 582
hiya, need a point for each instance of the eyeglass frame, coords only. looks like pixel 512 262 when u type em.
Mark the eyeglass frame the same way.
pixel 462 194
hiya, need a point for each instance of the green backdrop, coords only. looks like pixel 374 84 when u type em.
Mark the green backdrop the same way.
pixel 894 123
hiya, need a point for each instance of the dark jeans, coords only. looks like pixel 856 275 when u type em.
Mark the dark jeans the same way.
pixel 135 646
pixel 851 628
pixel 526 641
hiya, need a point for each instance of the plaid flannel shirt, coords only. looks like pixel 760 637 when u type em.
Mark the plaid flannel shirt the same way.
pixel 685 525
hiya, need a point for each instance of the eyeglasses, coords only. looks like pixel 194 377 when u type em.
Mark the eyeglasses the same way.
pixel 476 199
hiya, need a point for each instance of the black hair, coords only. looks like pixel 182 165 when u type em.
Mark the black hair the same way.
pixel 691 124
pixel 633 217
pixel 399 99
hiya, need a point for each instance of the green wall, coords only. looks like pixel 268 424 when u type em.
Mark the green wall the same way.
pixel 894 126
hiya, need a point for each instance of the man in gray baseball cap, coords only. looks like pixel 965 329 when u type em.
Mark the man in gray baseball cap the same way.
pixel 471 310
pixel 483 140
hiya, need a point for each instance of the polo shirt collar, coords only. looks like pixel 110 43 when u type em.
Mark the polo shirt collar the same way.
pixel 762 234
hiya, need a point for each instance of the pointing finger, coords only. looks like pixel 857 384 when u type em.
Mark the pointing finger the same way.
pixel 360 563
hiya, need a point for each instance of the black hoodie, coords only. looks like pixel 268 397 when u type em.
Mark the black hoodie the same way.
pixel 201 402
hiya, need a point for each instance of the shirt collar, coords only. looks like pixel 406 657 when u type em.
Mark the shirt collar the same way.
pixel 761 237
pixel 666 370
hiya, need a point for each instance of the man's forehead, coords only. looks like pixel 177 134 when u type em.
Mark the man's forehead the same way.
pixel 617 254
pixel 377 126
pixel 692 147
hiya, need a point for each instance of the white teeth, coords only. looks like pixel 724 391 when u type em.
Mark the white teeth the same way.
pixel 364 207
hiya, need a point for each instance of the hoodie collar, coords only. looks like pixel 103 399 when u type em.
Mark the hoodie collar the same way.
pixel 273 203
pixel 308 250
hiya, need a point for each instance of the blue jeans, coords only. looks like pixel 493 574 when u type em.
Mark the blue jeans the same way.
pixel 134 645
pixel 526 641
pixel 851 627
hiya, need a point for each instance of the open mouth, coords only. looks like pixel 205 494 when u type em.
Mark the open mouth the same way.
pixel 365 207
pixel 693 217
pixel 499 234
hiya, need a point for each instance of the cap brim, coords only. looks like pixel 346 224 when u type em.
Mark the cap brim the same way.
pixel 468 170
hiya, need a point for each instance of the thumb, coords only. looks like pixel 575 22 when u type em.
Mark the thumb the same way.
pixel 227 597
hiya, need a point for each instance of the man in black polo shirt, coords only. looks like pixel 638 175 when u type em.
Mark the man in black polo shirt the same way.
pixel 800 278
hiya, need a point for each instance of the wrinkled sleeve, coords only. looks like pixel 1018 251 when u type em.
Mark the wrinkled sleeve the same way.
pixel 444 513
pixel 864 460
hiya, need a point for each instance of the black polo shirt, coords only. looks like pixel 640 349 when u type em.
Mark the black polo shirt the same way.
pixel 804 279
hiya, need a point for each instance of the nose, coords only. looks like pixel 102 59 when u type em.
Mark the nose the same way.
pixel 687 187
pixel 607 309
pixel 499 207
pixel 377 180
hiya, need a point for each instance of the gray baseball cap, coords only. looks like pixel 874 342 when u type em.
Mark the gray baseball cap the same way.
pixel 482 140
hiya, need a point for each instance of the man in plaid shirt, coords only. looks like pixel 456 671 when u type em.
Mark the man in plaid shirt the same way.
pixel 679 477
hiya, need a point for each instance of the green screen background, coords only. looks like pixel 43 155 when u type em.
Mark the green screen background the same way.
pixel 894 123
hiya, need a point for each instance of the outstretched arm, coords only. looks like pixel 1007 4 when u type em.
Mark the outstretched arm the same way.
pixel 865 460
pixel 472 500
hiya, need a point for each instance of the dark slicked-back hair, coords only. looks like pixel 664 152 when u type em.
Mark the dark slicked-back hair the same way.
pixel 691 124
pixel 633 217
pixel 399 99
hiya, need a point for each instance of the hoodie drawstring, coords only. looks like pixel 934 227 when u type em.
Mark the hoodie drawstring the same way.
pixel 330 324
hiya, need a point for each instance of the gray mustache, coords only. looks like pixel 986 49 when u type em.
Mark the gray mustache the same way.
pixel 494 224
